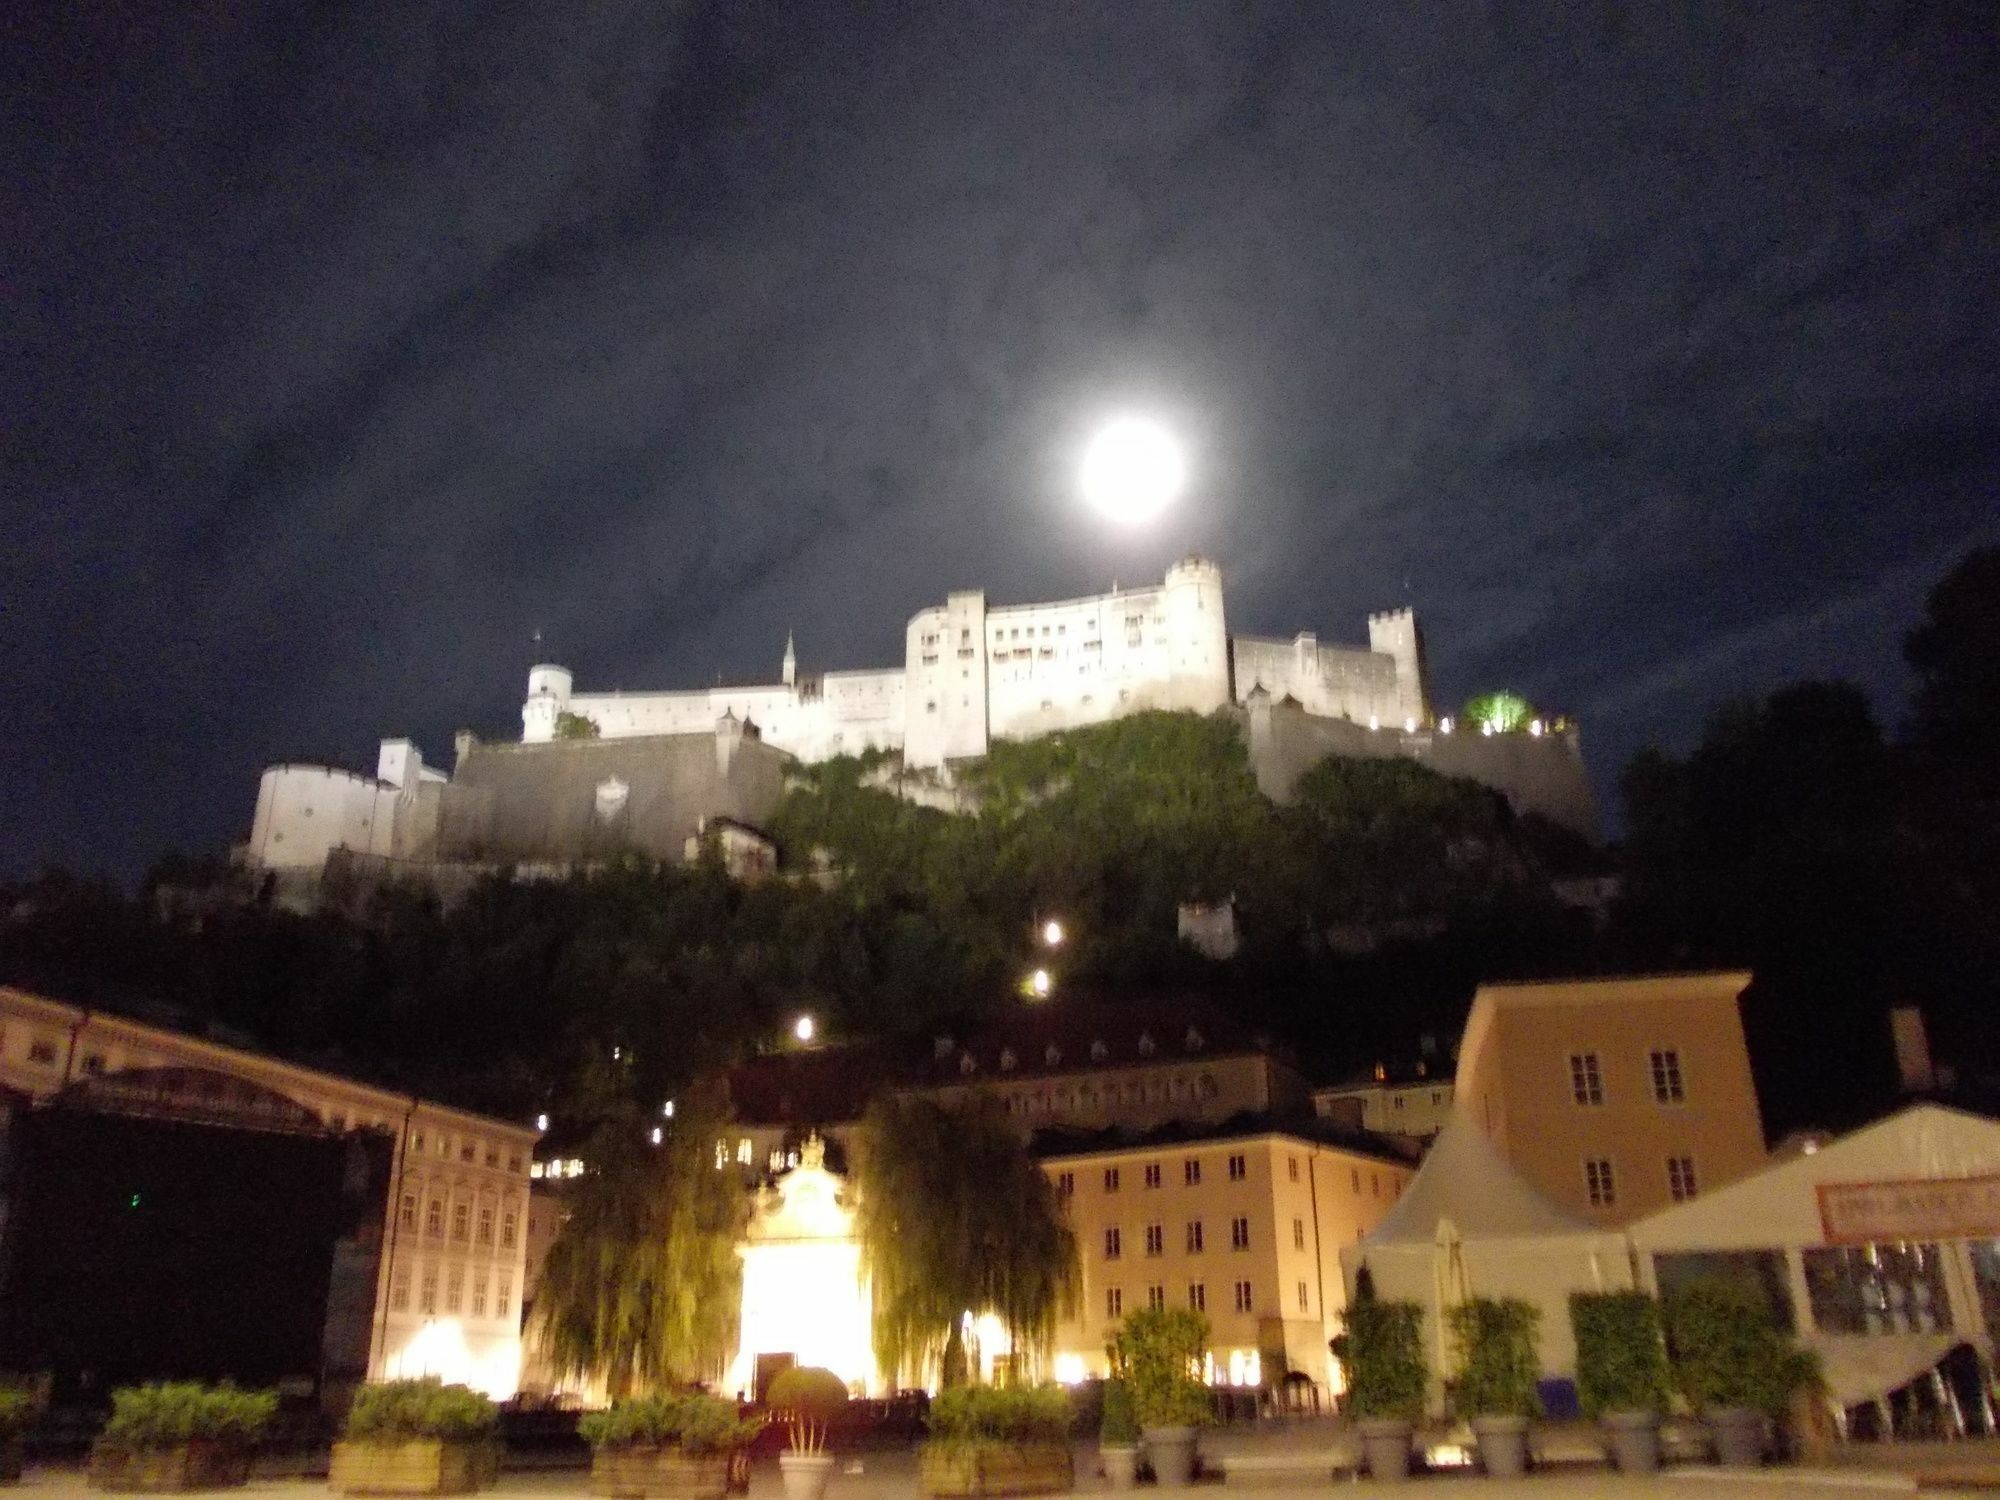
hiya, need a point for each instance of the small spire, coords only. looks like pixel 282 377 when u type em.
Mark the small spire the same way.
pixel 791 666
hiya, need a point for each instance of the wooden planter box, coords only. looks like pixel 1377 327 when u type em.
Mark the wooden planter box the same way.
pixel 994 1468
pixel 412 1466
pixel 199 1464
pixel 637 1473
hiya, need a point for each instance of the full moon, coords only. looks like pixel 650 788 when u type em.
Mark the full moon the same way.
pixel 1132 471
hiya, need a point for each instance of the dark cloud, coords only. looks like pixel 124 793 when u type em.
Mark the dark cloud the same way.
pixel 1648 350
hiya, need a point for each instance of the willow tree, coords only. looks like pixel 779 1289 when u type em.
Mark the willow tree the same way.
pixel 642 1284
pixel 955 1218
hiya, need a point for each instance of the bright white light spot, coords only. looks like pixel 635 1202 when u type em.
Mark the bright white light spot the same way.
pixel 656 1135
pixel 803 1028
pixel 1070 1369
pixel 1132 470
pixel 1374 721
pixel 1040 983
pixel 667 1109
pixel 1535 726
pixel 1445 725
pixel 1409 726
pixel 1052 933
pixel 541 1122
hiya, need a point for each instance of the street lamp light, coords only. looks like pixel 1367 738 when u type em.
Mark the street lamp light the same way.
pixel 803 1028
pixel 1052 933
pixel 1040 983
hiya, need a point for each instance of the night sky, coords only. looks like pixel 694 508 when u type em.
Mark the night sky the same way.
pixel 346 347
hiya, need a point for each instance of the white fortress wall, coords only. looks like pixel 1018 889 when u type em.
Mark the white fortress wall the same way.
pixel 305 811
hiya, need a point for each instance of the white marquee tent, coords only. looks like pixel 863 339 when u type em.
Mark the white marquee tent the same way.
pixel 1469 1225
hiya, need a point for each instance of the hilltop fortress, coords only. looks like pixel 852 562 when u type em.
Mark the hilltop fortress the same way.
pixel 596 774
pixel 974 672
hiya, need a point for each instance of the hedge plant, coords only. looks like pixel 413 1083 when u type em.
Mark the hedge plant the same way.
pixel 1119 1426
pixel 1158 1351
pixel 1498 1370
pixel 1384 1354
pixel 393 1410
pixel 981 1414
pixel 1621 1358
pixel 1726 1349
pixel 166 1413
pixel 692 1421
pixel 20 1409
pixel 806 1391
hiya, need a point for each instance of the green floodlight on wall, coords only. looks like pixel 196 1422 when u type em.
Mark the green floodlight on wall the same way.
pixel 1498 713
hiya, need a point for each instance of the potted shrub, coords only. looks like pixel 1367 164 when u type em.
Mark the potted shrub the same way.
pixel 1732 1362
pixel 1160 1349
pixel 806 1398
pixel 20 1409
pixel 1118 1435
pixel 669 1446
pixel 1621 1372
pixel 179 1435
pixel 1497 1375
pixel 417 1437
pixel 988 1440
pixel 1387 1379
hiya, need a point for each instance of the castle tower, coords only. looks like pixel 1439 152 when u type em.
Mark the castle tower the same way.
pixel 1197 635
pixel 1394 633
pixel 788 673
pixel 548 698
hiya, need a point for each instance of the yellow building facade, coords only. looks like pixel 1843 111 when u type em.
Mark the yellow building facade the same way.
pixel 1614 1097
pixel 1245 1229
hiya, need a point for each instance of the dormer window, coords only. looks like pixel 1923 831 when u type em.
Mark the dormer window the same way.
pixel 1052 1054
pixel 1194 1041
pixel 1007 1059
pixel 1098 1051
pixel 965 1063
pixel 1145 1044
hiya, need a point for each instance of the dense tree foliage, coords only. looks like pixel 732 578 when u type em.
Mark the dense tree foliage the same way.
pixel 955 1217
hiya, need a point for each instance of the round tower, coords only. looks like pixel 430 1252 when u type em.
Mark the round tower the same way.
pixel 548 697
pixel 1197 635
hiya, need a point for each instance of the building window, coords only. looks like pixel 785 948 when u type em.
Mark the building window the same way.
pixel 1243 1296
pixel 1110 1179
pixel 1152 1174
pixel 1065 1184
pixel 434 1219
pixel 1113 1244
pixel 42 1052
pixel 427 1295
pixel 1114 1302
pixel 1586 1079
pixel 492 1156
pixel 461 1221
pixel 1355 1174
pixel 1665 1063
pixel 1239 1233
pixel 399 1290
pixel 514 1161
pixel 1305 1299
pixel 479 1294
pixel 1597 1177
pixel 1292 1168
pixel 1156 1297
pixel 1236 1168
pixel 1374 1184
pixel 1298 1234
pixel 1895 1287
pixel 508 1222
pixel 1194 1236
pixel 1680 1178
pixel 406 1216
pixel 1156 1239
pixel 503 1297
pixel 454 1290
pixel 1191 1172
pixel 93 1062
pixel 486 1224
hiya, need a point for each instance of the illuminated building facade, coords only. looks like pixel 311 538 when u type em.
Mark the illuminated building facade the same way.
pixel 427 1281
pixel 1243 1226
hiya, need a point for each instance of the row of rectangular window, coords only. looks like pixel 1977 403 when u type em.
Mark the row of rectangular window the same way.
pixel 1243 1297
pixel 469 1150
pixel 1663 1067
pixel 454 1293
pixel 1600 1180
pixel 1156 1237
pixel 462 1229
pixel 1237 1165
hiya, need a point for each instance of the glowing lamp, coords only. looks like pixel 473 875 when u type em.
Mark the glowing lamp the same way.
pixel 541 1122
pixel 1040 983
pixel 1052 933
pixel 803 1028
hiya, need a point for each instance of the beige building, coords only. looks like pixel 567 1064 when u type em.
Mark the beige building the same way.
pixel 1416 1108
pixel 1614 1097
pixel 448 1274
pixel 1243 1227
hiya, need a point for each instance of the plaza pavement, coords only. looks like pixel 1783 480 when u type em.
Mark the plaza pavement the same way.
pixel 1864 1472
